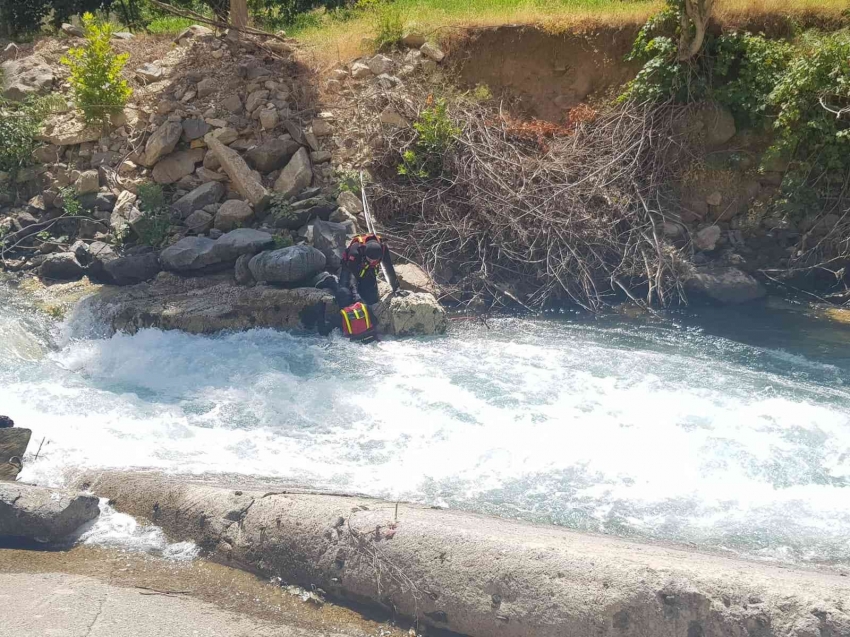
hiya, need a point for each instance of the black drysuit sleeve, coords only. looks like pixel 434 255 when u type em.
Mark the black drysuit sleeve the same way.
pixel 387 262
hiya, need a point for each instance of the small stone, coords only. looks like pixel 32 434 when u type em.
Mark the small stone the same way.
pixel 233 214
pixel 150 72
pixel 255 100
pixel 226 135
pixel 241 272
pixel 268 118
pixel 296 176
pixel 194 128
pixel 350 202
pixel 360 70
pixel 207 87
pixel 321 128
pixel 201 196
pixel 73 30
pixel 88 182
pixel 333 86
pixel 714 199
pixel 707 238
pixel 391 117
pixel 232 103
pixel 320 156
pixel 217 54
pixel 380 64
pixel 9 53
pixel 216 123
pixel 272 154
pixel 433 52
pixel 173 168
pixel 162 142
pixel 199 222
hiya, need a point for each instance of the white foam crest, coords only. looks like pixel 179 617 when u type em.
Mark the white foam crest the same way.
pixel 120 531
pixel 664 432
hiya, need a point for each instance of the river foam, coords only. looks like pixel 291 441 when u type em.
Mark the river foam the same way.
pixel 638 430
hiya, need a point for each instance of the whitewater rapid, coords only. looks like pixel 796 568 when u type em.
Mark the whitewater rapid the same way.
pixel 640 429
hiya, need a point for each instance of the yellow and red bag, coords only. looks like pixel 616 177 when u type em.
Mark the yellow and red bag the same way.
pixel 357 322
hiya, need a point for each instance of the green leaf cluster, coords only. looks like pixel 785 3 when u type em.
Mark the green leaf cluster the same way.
pixel 98 86
pixel 20 122
pixel 436 133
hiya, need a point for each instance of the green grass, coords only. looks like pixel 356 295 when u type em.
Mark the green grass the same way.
pixel 169 25
pixel 346 34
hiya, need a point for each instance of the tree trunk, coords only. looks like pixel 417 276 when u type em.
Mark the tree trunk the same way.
pixel 239 13
pixel 697 12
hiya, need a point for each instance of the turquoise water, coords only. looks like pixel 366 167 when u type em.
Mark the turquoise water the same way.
pixel 727 429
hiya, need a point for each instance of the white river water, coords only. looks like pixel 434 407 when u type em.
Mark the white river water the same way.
pixel 707 434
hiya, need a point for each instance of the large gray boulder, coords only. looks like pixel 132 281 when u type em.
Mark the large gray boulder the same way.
pixel 175 166
pixel 245 180
pixel 272 154
pixel 132 269
pixel 196 253
pixel 197 199
pixel 416 314
pixel 42 514
pixel 330 239
pixel 287 265
pixel 297 175
pixel 162 142
pixel 233 214
pixel 61 266
pixel 190 253
pixel 725 285
pixel 207 304
pixel 13 446
pixel 25 77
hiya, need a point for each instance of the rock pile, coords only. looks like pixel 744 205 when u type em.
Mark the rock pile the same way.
pixel 247 172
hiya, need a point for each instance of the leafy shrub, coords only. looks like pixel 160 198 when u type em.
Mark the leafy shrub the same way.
pixel 748 68
pixel 280 207
pixel 435 135
pixel 71 205
pixel 19 124
pixel 99 90
pixel 151 197
pixel 155 224
pixel 283 240
pixel 807 99
pixel 389 26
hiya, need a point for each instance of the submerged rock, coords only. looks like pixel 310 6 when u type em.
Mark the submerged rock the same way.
pixel 42 514
pixel 725 285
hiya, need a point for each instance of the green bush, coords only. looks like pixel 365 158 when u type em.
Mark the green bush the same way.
pixel 155 224
pixel 388 24
pixel 98 87
pixel 151 197
pixel 19 124
pixel 807 99
pixel 436 133
pixel 747 68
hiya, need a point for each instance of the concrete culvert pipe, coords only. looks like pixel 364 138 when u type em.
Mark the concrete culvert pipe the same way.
pixel 483 576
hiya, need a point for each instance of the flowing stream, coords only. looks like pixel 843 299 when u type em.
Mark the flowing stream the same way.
pixel 729 429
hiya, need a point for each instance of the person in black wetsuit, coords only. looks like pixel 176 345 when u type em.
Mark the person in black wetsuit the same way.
pixel 358 276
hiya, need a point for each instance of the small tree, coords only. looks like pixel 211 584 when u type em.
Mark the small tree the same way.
pixel 99 89
pixel 696 13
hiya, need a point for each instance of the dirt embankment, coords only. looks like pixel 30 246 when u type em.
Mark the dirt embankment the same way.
pixel 484 576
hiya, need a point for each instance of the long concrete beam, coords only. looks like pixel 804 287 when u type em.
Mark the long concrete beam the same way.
pixel 484 576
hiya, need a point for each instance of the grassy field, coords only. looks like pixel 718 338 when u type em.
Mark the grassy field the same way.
pixel 345 35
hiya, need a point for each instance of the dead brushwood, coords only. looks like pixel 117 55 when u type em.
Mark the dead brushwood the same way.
pixel 542 219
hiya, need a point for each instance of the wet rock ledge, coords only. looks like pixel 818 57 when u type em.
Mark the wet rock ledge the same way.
pixel 483 576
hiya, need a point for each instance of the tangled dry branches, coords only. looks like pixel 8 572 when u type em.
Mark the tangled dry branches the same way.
pixel 578 219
